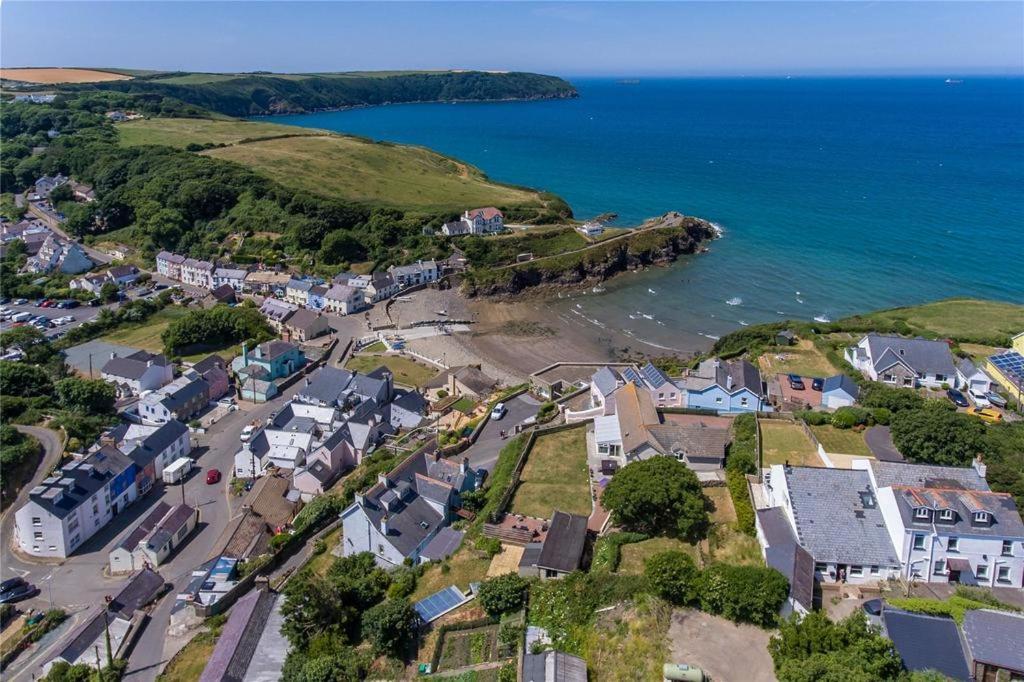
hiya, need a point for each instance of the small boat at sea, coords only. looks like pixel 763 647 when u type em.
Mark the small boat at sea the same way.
pixel 652 291
pixel 824 319
pixel 735 300
pixel 954 81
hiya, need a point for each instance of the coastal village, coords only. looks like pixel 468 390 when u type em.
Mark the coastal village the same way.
pixel 293 463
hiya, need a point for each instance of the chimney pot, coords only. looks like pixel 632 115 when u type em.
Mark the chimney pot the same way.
pixel 465 465
pixel 384 524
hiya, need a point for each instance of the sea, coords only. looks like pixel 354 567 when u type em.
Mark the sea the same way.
pixel 834 195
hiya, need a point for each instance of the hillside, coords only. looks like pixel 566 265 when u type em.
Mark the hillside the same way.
pixel 343 167
pixel 254 94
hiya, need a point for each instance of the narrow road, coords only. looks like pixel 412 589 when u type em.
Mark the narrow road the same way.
pixel 53 447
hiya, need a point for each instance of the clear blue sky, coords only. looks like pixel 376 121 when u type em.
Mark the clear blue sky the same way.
pixel 572 39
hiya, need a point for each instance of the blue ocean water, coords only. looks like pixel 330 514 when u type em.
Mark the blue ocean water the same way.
pixel 836 195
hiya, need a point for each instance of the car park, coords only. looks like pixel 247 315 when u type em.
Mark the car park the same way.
pixel 796 382
pixel 817 384
pixel 996 399
pixel 957 397
pixel 985 414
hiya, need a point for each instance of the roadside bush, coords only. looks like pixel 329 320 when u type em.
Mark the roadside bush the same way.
pixel 748 594
pixel 673 576
pixel 881 415
pixel 503 593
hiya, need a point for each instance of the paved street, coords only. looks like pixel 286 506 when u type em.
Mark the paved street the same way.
pixel 484 453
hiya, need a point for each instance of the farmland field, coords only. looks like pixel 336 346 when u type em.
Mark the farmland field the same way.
pixel 181 132
pixel 47 76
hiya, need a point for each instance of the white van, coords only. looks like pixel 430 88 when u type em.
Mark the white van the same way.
pixel 22 317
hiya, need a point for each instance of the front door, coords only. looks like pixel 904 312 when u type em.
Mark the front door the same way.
pixel 842 571
pixel 954 576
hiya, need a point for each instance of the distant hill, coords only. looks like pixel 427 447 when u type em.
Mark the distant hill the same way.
pixel 254 94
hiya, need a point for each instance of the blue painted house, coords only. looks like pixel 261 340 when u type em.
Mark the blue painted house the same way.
pixel 316 298
pixel 729 387
pixel 277 358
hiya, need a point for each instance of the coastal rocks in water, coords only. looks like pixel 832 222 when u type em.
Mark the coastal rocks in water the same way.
pixel 657 242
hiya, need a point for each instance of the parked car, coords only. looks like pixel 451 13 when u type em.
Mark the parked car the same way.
pixel 796 382
pixel 248 432
pixel 70 303
pixel 957 397
pixel 18 593
pixel 817 384
pixel 212 476
pixel 996 399
pixel 986 414
pixel 979 399
pixel 19 301
pixel 46 304
pixel 11 583
pixel 39 302
pixel 499 411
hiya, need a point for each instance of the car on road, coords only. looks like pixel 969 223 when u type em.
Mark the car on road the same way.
pixel 796 382
pixel 957 397
pixel 247 433
pixel 213 476
pixel 817 384
pixel 11 583
pixel 986 414
pixel 996 399
pixel 18 593
pixel 499 411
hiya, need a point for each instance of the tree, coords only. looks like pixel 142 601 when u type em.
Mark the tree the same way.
pixel 390 625
pixel 24 380
pixel 503 593
pixel 892 399
pixel 31 341
pixel 109 292
pixel 79 219
pixel 937 435
pixel 814 648
pixel 341 246
pixel 749 594
pixel 89 396
pixel 659 496
pixel 215 327
pixel 311 607
pixel 673 576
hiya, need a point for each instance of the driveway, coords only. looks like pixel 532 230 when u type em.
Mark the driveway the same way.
pixel 879 441
pixel 484 453
pixel 724 650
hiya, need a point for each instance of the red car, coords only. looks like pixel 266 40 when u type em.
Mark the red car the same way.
pixel 212 476
pixel 46 304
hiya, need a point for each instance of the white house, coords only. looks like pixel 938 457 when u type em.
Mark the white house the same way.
pixel 297 291
pixel 904 362
pixel 74 503
pixel 477 221
pixel 381 286
pixel 56 254
pixel 590 229
pixel 233 277
pixel 198 273
pixel 947 525
pixel 151 447
pixel 420 272
pixel 343 299
pixel 138 372
pixel 973 378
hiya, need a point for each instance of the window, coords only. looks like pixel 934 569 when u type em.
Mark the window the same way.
pixel 982 571
pixel 718 400
pixel 890 378
pixel 820 568
pixel 73 524
pixel 661 396
pixel 1007 548
pixel 940 567
pixel 918 540
pixel 75 540
pixel 856 570
pixel 743 401
pixel 37 535
pixel 36 521
pixel 953 545
pixel 940 377
pixel 946 514
pixel 874 570
pixel 1003 575
pixel 981 517
pixel 921 513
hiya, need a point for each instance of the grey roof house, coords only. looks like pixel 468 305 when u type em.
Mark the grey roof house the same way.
pixel 561 552
pixel 904 362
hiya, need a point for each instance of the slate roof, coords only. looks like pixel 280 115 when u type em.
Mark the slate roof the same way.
pixel 132 540
pixel 447 471
pixel 475 380
pixel 927 642
pixel 369 385
pixel 832 522
pixel 230 273
pixel 841 382
pixel 300 284
pixel 178 396
pixel 269 502
pixel 133 366
pixel 926 476
pixel 442 545
pixel 277 310
pixel 224 293
pixel 147 448
pixel 239 638
pixel 303 319
pixel 320 471
pixel 410 401
pixel 327 384
pixel 340 292
pixel 922 355
pixel 169 525
pixel 208 363
pixel 119 271
pixel 784 554
pixel 61 494
pixel 697 442
pixel 272 349
pixel 606 380
pixel 994 638
pixel 1005 521
pixel 554 666
pixel 563 545
pixel 139 591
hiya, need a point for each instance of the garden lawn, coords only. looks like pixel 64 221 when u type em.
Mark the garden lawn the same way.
pixel 633 556
pixel 464 405
pixel 841 441
pixel 188 664
pixel 146 335
pixel 555 476
pixel 783 441
pixel 468 565
pixel 406 371
pixel 803 359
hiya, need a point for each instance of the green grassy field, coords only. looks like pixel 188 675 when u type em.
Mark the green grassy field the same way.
pixel 803 359
pixel 147 335
pixel 406 371
pixel 958 317
pixel 555 476
pixel 634 555
pixel 181 132
pixel 842 441
pixel 374 173
pixel 783 441
pixel 466 566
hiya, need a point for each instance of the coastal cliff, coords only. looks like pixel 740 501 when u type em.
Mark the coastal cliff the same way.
pixel 261 94
pixel 657 242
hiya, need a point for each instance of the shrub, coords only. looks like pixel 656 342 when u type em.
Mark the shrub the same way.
pixel 740 495
pixel 608 550
pixel 953 607
pixel 503 593
pixel 938 435
pixel 390 625
pixel 751 594
pixel 892 399
pixel 814 418
pixel 848 417
pixel 673 576
pixel 492 546
pixel 658 496
pixel 881 415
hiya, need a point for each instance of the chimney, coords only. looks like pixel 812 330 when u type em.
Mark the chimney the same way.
pixel 383 480
pixel 113 354
pixel 437 455
pixel 728 383
pixel 384 524
pixel 464 467
pixel 979 466
pixel 360 500
pixel 245 355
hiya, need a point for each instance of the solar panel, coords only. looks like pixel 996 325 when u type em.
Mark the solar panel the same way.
pixel 439 603
pixel 1010 364
pixel 631 375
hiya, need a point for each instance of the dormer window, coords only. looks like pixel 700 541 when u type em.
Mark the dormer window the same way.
pixel 946 515
pixel 922 513
pixel 981 517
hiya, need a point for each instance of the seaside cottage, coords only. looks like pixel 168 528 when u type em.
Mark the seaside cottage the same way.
pixel 343 299
pixel 726 387
pixel 904 362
